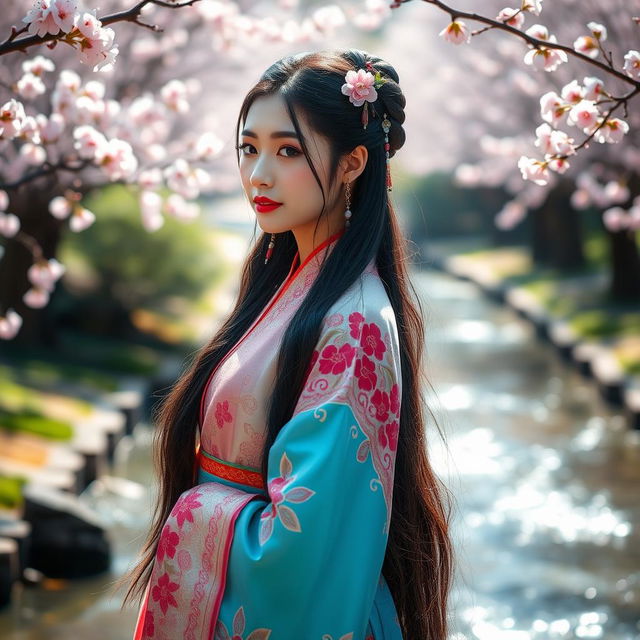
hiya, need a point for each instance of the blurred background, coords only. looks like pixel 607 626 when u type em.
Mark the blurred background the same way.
pixel 531 294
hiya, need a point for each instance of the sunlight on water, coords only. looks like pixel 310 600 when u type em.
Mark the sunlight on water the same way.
pixel 472 331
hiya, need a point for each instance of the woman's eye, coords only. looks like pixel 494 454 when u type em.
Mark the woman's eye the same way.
pixel 295 152
pixel 243 146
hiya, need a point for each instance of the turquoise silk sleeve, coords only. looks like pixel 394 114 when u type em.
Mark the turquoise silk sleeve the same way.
pixel 307 562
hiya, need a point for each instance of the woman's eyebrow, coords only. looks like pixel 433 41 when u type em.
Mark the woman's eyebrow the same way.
pixel 275 134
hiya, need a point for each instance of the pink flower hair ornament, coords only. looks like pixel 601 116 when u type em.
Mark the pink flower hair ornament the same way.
pixel 361 87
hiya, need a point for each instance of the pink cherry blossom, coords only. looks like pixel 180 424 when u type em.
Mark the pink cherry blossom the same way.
pixel 150 210
pixel 456 32
pixel 4 200
pixel 572 92
pixel 180 209
pixel 174 95
pixel 10 324
pixel 81 219
pixel 45 273
pixel 50 16
pixel 532 6
pixel 38 65
pixel 207 146
pixel 587 45
pixel 615 219
pixel 88 141
pixel 599 31
pixel 150 178
pixel 88 24
pixel 9 224
pixel 584 114
pixel 11 116
pixel 33 154
pixel 612 132
pixel 50 128
pixel 30 86
pixel 559 165
pixel 359 87
pixel 513 17
pixel 632 64
pixel 184 179
pixel 116 159
pixel 593 88
pixel 36 298
pixel 534 170
pixel 30 130
pixel 60 207
pixel 552 108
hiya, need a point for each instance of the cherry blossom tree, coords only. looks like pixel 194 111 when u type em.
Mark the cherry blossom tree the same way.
pixel 508 101
pixel 149 106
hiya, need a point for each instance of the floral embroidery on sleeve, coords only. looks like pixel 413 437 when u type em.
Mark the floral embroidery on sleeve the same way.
pixel 359 364
pixel 239 624
pixel 280 491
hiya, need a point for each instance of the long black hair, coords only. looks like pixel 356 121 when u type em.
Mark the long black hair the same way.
pixel 418 559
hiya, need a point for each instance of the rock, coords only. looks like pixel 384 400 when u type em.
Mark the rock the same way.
pixel 8 569
pixel 20 532
pixel 68 539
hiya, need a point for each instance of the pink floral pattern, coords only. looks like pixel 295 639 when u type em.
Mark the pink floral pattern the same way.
pixel 280 491
pixel 239 624
pixel 167 543
pixel 336 360
pixel 162 593
pixel 223 414
pixel 371 341
pixel 182 510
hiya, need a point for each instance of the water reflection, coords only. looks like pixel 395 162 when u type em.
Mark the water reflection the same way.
pixel 545 480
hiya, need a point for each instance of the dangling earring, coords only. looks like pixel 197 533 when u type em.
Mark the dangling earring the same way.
pixel 347 213
pixel 270 247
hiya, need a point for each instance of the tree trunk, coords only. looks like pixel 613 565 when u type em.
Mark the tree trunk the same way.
pixel 625 266
pixel 557 230
pixel 31 204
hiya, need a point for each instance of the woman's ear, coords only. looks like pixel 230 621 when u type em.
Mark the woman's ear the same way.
pixel 354 162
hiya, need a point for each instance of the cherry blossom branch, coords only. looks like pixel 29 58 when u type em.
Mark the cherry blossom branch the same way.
pixel 46 169
pixel 533 41
pixel 130 15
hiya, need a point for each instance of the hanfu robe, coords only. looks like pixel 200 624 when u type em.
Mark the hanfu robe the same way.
pixel 301 558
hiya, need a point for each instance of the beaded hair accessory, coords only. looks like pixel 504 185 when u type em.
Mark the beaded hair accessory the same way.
pixel 361 86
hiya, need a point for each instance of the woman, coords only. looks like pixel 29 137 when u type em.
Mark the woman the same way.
pixel 305 410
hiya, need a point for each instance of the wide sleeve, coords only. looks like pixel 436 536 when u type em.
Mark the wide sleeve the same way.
pixel 306 562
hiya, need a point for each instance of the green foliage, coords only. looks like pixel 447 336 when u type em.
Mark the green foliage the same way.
pixel 11 491
pixel 134 266
pixel 597 323
pixel 30 421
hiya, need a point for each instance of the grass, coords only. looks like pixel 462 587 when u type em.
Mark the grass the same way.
pixel 11 491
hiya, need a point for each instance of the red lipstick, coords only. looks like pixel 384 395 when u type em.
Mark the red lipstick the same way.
pixel 264 204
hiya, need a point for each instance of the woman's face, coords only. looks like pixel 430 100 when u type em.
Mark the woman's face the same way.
pixel 272 164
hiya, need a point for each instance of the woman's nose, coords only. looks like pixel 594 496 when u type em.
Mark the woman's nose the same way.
pixel 262 174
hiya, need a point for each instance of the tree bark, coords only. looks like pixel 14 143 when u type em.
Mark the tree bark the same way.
pixel 557 230
pixel 31 204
